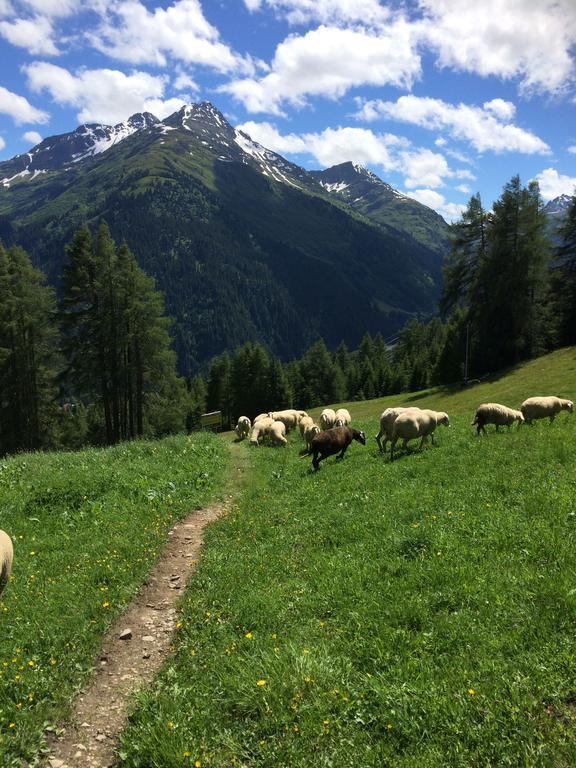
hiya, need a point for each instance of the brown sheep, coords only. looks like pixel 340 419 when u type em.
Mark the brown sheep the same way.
pixel 333 441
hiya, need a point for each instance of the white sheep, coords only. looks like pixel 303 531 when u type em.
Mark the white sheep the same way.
pixel 277 432
pixel 311 431
pixel 260 416
pixel 342 418
pixel 415 423
pixel 305 422
pixel 327 418
pixel 494 413
pixel 6 556
pixel 260 429
pixel 387 419
pixel 290 417
pixel 243 427
pixel 542 407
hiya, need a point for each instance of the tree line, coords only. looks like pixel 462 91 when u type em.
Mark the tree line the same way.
pixel 97 366
pixel 509 295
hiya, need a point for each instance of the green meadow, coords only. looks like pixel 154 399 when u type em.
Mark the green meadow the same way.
pixel 87 528
pixel 414 613
pixel 420 612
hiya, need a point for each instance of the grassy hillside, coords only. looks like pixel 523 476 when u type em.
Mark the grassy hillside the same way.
pixel 86 527
pixel 414 613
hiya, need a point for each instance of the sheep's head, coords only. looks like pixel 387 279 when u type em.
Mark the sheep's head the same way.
pixel 443 419
pixel 519 417
pixel 339 423
pixel 568 405
pixel 360 436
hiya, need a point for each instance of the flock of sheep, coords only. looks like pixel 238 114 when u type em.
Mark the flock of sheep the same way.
pixel 334 433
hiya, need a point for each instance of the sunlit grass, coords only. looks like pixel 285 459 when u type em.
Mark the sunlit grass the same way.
pixel 86 527
pixel 413 613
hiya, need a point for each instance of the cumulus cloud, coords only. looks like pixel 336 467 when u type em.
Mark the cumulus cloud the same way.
pixel 464 188
pixel 572 149
pixel 54 7
pixel 6 9
pixel 450 211
pixel 503 110
pixel 324 11
pixel 130 32
pixel 476 125
pixel 327 62
pixel 32 137
pixel 103 95
pixel 552 184
pixel 526 39
pixel 20 109
pixel 420 167
pixel 35 35
pixel 2 143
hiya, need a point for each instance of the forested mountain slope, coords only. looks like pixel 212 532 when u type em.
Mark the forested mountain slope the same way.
pixel 244 244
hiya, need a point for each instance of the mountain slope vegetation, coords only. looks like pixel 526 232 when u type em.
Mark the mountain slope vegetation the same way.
pixel 244 244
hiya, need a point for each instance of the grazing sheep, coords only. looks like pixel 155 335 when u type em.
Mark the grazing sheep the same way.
pixel 260 417
pixel 416 423
pixel 243 427
pixel 260 429
pixel 342 418
pixel 311 430
pixel 327 418
pixel 333 441
pixel 387 419
pixel 6 555
pixel 289 417
pixel 494 413
pixel 542 407
pixel 277 432
pixel 305 422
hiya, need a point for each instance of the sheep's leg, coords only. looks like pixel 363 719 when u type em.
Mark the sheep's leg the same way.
pixel 342 452
pixel 379 439
pixel 497 427
pixel 552 418
pixel 432 436
pixel 392 444
pixel 315 461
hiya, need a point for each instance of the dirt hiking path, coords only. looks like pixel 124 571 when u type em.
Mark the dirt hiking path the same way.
pixel 138 642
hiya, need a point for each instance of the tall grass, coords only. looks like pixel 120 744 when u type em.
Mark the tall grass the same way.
pixel 413 613
pixel 86 527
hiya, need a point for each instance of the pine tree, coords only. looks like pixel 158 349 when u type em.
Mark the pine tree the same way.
pixel 563 288
pixel 28 355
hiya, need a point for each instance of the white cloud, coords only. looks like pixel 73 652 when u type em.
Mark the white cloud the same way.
pixel 20 109
pixel 103 95
pixel 450 211
pixel 324 11
pixel 475 125
pixel 132 33
pixel 503 110
pixel 464 188
pixel 2 143
pixel 328 62
pixel 526 39
pixel 270 137
pixel 54 7
pixel 35 35
pixel 32 137
pixel 6 9
pixel 420 167
pixel 572 149
pixel 424 168
pixel 552 184
pixel 183 82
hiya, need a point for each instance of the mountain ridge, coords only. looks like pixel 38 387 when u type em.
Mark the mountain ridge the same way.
pixel 245 244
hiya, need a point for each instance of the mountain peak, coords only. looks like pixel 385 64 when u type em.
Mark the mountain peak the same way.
pixel 558 206
pixel 202 113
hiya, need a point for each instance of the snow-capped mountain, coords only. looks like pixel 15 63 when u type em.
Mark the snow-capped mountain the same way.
pixel 558 207
pixel 58 152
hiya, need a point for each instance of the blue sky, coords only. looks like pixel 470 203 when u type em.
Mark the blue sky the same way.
pixel 440 98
